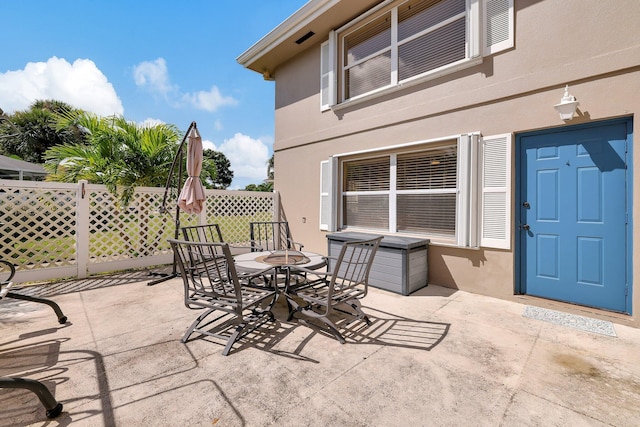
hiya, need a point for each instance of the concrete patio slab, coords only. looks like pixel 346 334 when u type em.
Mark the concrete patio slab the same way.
pixel 438 357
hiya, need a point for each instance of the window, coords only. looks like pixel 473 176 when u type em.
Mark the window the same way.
pixel 411 41
pixel 456 190
pixel 411 192
pixel 365 193
pixel 426 191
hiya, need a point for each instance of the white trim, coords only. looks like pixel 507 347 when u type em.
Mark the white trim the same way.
pixel 393 147
pixel 298 20
pixel 365 15
pixel 412 81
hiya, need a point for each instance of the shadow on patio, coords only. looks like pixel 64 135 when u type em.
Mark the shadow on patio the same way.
pixel 434 358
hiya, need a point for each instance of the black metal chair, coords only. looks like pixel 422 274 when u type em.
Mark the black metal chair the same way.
pixel 339 290
pixel 272 236
pixel 211 282
pixel 52 406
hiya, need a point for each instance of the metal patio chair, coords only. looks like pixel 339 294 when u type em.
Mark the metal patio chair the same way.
pixel 272 236
pixel 202 233
pixel 212 283
pixel 340 289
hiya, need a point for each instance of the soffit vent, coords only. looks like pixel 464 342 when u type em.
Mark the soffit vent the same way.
pixel 305 37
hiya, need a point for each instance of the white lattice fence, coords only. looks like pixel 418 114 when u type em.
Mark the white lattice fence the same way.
pixel 39 225
pixel 55 230
pixel 234 210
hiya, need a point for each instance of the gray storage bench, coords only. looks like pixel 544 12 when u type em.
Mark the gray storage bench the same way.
pixel 400 265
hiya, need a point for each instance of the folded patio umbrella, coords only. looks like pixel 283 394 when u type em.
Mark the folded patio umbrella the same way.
pixel 192 196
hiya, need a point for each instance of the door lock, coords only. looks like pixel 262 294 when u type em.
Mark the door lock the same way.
pixel 525 227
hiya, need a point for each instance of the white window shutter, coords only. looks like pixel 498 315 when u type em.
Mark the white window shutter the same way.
pixel 327 207
pixel 474 178
pixel 498 17
pixel 327 73
pixel 495 222
pixel 467 204
pixel 462 208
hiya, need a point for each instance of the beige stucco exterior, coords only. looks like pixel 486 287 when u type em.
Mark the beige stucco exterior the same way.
pixel 592 46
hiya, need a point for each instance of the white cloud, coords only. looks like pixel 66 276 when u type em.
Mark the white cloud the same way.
pixel 206 144
pixel 248 157
pixel 153 75
pixel 150 122
pixel 80 84
pixel 208 101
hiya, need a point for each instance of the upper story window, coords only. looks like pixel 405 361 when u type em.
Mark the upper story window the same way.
pixel 401 42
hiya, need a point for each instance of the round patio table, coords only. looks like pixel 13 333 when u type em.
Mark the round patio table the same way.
pixel 259 260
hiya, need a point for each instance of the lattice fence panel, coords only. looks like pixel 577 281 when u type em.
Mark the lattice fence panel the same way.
pixel 38 227
pixel 139 230
pixel 234 211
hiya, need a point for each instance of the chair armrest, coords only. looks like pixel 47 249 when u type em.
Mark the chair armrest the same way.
pixel 254 247
pixel 294 269
pixel 293 244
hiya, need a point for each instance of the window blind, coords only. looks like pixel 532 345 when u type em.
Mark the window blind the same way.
pixel 434 169
pixel 367 175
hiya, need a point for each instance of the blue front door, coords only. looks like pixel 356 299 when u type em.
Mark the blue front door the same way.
pixel 574 229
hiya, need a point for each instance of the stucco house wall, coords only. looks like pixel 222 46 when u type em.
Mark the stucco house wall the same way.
pixel 593 46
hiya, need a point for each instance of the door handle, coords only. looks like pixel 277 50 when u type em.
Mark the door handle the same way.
pixel 525 227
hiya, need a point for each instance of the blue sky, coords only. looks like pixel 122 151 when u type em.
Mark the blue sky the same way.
pixel 167 61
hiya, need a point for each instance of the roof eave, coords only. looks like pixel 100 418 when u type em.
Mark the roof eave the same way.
pixel 284 31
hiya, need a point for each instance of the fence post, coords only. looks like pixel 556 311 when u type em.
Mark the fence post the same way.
pixel 82 228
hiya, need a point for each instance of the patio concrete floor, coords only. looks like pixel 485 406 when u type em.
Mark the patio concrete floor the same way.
pixel 439 357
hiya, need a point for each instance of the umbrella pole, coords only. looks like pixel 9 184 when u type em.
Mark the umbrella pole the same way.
pixel 177 160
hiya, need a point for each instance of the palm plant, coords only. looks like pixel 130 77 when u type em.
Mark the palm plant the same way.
pixel 119 154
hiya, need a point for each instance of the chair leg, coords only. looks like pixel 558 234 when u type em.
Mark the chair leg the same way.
pixel 195 324
pixel 53 407
pixel 334 329
pixel 357 312
pixel 233 338
pixel 294 307
pixel 62 319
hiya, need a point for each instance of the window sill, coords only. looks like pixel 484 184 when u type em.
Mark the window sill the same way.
pixel 467 63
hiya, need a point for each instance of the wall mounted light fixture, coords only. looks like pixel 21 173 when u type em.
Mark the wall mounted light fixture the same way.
pixel 567 106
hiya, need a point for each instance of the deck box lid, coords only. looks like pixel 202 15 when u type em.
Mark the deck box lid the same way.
pixel 397 242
